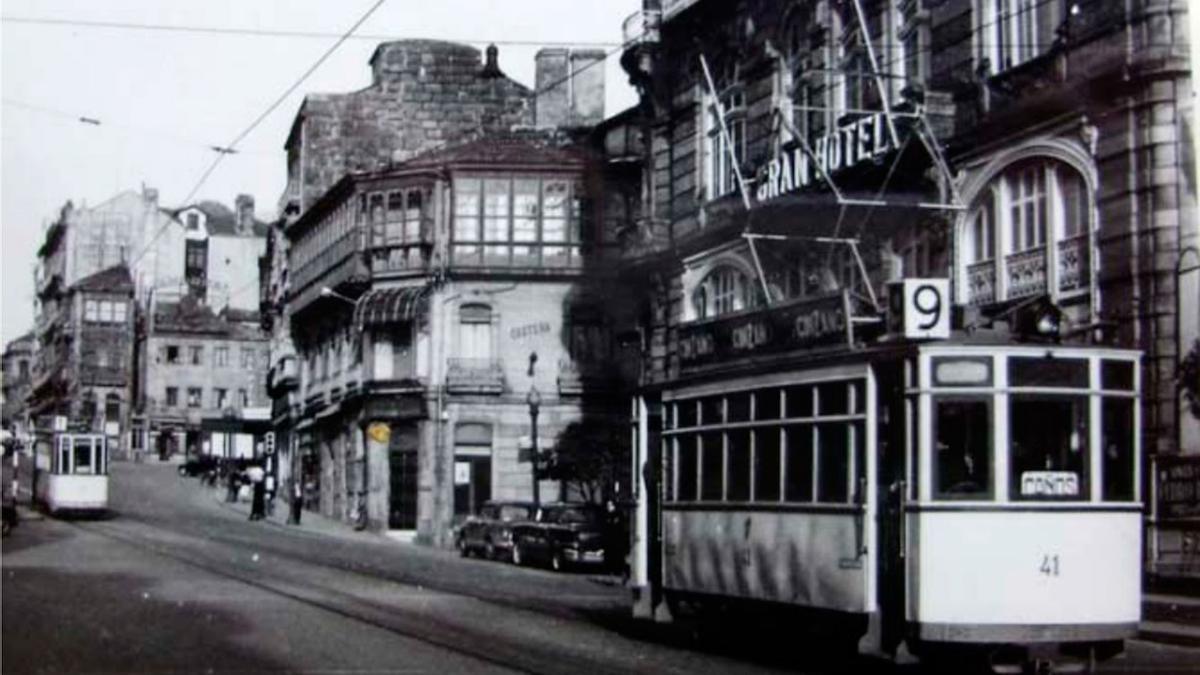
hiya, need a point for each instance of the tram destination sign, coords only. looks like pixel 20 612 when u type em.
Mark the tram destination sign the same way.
pixel 813 322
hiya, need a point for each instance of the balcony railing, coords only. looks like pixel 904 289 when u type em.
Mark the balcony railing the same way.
pixel 641 27
pixel 1074 268
pixel 477 376
pixel 1026 272
pixel 981 282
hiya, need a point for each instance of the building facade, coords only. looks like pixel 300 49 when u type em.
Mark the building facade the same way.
pixel 1035 158
pixel 18 364
pixel 221 252
pixel 424 94
pixel 85 356
pixel 202 381
pixel 431 304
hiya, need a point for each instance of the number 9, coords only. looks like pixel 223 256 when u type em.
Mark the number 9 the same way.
pixel 928 302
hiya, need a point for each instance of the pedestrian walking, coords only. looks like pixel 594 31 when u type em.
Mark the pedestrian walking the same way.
pixel 231 482
pixel 258 492
pixel 297 501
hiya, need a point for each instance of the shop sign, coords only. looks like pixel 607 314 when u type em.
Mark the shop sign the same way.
pixel 379 432
pixel 866 138
pixel 1178 489
pixel 798 325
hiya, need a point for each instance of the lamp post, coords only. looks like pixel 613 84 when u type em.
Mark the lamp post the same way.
pixel 535 401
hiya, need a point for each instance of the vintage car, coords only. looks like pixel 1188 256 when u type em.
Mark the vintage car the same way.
pixel 489 533
pixel 561 535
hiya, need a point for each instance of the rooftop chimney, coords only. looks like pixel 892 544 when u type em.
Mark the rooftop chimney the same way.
pixel 244 213
pixel 491 69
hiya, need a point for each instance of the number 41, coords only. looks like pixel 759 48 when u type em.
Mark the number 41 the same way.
pixel 1049 565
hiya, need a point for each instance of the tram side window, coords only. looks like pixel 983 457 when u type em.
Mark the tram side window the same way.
pixel 712 467
pixel 738 487
pixel 834 465
pixel 799 484
pixel 1117 440
pixel 1049 447
pixel 766 404
pixel 766 464
pixel 686 460
pixel 962 449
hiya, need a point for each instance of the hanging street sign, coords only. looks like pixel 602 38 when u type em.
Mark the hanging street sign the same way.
pixel 860 140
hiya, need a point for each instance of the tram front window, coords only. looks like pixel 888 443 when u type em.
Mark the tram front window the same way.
pixel 1049 447
pixel 83 456
pixel 963 446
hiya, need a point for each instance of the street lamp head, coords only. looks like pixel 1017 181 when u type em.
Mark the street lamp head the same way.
pixel 327 292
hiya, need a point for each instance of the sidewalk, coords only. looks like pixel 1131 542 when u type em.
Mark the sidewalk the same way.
pixel 311 522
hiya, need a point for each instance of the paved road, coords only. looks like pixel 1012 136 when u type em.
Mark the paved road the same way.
pixel 178 582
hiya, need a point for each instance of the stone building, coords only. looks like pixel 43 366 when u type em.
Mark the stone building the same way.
pixel 221 253
pixel 424 94
pixel 201 380
pixel 85 356
pixel 1036 158
pixel 430 303
pixel 17 365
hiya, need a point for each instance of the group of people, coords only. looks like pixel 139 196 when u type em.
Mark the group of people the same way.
pixel 262 490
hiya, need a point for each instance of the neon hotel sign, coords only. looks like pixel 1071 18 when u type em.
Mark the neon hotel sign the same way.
pixel 862 139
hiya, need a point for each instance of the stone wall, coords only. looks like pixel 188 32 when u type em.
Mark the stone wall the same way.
pixel 424 94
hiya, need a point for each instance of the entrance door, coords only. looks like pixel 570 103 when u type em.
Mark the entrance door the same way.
pixel 402 463
pixel 891 488
pixel 472 483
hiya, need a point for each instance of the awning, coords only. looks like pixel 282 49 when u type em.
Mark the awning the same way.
pixel 391 305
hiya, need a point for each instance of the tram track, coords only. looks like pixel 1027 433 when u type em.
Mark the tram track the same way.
pixel 470 637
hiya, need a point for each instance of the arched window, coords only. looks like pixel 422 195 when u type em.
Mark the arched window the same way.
pixel 1027 233
pixel 726 289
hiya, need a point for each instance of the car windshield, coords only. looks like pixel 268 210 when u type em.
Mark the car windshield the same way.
pixel 511 512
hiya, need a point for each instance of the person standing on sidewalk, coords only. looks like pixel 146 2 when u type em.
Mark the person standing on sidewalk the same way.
pixel 297 500
pixel 258 487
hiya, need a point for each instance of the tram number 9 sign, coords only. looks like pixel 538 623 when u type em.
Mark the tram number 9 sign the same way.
pixel 919 309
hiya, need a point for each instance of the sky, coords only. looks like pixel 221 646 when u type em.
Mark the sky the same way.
pixel 163 97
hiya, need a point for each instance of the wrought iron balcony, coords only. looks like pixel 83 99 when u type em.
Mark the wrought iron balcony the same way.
pixel 1026 272
pixel 1074 263
pixel 475 376
pixel 981 282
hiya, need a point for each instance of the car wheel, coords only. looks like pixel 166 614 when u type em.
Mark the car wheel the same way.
pixel 489 551
pixel 463 550
pixel 516 555
pixel 182 470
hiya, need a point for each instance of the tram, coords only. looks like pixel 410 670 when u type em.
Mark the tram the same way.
pixel 71 473
pixel 924 498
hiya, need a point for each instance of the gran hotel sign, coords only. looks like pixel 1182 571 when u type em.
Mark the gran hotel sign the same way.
pixel 862 139
pixel 812 322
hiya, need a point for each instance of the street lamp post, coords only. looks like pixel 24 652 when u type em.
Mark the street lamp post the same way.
pixel 535 401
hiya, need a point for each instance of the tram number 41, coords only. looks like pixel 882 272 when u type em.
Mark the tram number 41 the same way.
pixel 1049 565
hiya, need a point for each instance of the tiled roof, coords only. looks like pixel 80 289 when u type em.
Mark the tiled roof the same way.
pixel 115 279
pixel 220 219
pixel 511 147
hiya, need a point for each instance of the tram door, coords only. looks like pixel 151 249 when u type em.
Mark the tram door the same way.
pixel 892 460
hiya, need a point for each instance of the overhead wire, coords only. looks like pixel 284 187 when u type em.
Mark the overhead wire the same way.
pixel 264 32
pixel 258 120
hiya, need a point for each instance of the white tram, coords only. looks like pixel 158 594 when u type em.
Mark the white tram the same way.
pixel 933 498
pixel 71 473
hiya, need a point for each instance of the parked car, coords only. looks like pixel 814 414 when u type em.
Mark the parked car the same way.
pixel 561 535
pixel 198 466
pixel 489 533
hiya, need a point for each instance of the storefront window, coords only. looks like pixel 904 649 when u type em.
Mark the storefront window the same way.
pixel 962 466
pixel 1049 447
